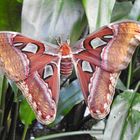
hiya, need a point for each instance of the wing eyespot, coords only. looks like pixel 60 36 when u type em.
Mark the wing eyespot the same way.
pixel 31 48
pixel 86 67
pixel 47 72
pixel 97 42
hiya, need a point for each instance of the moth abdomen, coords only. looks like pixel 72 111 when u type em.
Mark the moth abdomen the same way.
pixel 66 66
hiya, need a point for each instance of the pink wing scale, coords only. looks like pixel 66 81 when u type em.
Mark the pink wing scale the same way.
pixel 104 31
pixel 123 45
pixel 83 75
pixel 107 60
pixel 23 41
pixel 87 52
pixel 16 65
pixel 27 67
pixel 39 96
pixel 102 88
pixel 43 94
pixel 39 56
pixel 98 88
pixel 53 81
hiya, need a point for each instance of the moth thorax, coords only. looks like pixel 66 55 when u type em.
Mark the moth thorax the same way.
pixel 66 67
pixel 65 49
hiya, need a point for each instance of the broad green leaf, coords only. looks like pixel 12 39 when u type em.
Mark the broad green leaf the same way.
pixel 68 135
pixel 135 11
pixel 20 1
pixel 46 20
pixel 77 29
pixel 123 122
pixel 126 10
pixel 98 12
pixel 121 10
pixel 120 85
pixel 14 87
pixel 136 73
pixel 26 113
pixel 69 97
pixel 10 15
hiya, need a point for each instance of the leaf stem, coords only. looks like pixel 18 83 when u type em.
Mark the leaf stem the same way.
pixel 137 86
pixel 3 99
pixel 14 116
pixel 25 131
pixel 65 134
pixel 129 75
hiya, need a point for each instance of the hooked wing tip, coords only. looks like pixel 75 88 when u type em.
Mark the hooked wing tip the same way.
pixel 45 119
pixel 99 113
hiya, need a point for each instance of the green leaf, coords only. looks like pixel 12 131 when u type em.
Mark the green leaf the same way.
pixel 66 134
pixel 135 11
pixel 20 1
pixel 77 29
pixel 26 113
pixel 136 73
pixel 98 12
pixel 126 10
pixel 3 87
pixel 14 87
pixel 121 10
pixel 49 19
pixel 120 85
pixel 69 97
pixel 123 122
pixel 10 15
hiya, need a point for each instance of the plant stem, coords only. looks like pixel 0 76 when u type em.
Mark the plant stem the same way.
pixel 137 86
pixel 129 75
pixel 3 99
pixel 65 134
pixel 14 116
pixel 25 131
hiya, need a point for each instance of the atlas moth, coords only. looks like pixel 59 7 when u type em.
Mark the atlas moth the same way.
pixel 98 60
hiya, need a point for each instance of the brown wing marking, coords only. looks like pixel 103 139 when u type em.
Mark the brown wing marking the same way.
pixel 98 87
pixel 118 52
pixel 102 89
pixel 42 94
pixel 14 63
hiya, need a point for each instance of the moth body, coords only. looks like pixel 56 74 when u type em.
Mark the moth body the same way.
pixel 66 65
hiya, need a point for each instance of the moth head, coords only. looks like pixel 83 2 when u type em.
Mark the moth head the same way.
pixel 65 49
